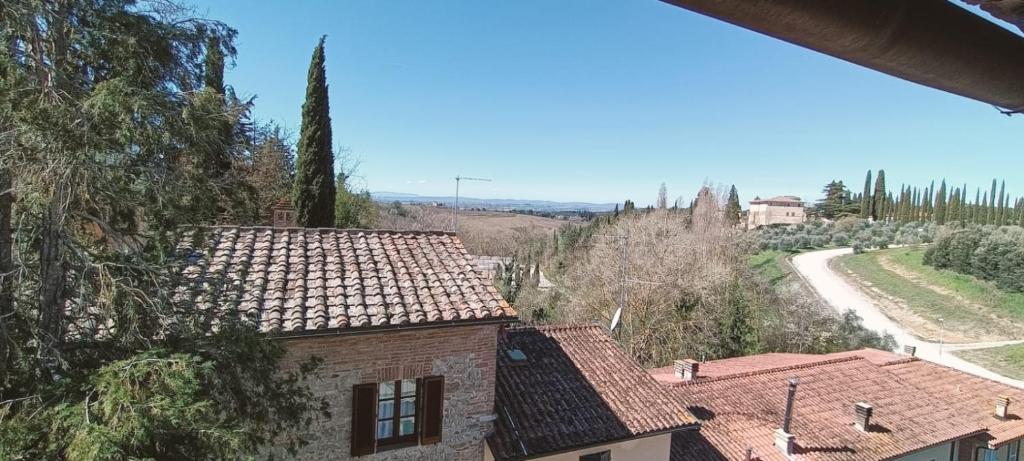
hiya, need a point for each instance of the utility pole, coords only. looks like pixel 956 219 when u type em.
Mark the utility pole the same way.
pixel 455 209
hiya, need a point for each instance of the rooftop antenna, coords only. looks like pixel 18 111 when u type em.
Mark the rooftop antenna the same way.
pixel 455 210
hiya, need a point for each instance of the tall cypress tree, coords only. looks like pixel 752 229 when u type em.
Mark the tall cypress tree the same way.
pixel 314 189
pixel 990 217
pixel 878 207
pixel 213 66
pixel 1001 211
pixel 865 198
pixel 953 211
pixel 940 204
pixel 977 203
pixel 732 207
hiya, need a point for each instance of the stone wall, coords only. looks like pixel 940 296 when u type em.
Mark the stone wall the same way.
pixel 464 355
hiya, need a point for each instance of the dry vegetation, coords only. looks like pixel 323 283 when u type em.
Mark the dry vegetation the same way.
pixel 490 233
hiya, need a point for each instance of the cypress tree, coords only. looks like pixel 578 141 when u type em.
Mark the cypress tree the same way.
pixel 314 189
pixel 1001 212
pixel 953 213
pixel 865 198
pixel 878 207
pixel 213 66
pixel 990 217
pixel 940 204
pixel 974 208
pixel 732 207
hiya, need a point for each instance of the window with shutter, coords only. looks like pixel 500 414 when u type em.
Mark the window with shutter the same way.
pixel 432 409
pixel 364 419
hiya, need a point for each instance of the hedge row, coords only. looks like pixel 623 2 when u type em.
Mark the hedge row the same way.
pixel 986 252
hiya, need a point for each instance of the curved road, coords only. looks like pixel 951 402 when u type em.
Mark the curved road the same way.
pixel 813 267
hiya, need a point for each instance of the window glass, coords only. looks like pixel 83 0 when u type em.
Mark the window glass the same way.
pixel 396 411
pixel 385 429
pixel 408 406
pixel 385 409
pixel 387 390
pixel 407 426
pixel 408 387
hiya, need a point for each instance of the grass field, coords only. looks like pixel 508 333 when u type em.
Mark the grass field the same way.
pixel 1006 360
pixel 772 265
pixel 966 305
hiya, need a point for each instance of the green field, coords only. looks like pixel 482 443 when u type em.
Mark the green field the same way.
pixel 966 305
pixel 772 265
pixel 1006 360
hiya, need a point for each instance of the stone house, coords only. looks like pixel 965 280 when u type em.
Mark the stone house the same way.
pixel 406 327
pixel 784 209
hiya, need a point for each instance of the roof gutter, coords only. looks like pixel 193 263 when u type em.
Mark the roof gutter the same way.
pixel 930 42
pixel 369 330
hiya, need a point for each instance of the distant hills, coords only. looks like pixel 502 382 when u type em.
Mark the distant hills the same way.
pixel 503 204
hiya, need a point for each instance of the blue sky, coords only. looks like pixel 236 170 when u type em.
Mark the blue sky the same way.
pixel 600 100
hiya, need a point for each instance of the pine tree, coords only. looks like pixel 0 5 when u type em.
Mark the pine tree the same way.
pixel 940 204
pixel 314 179
pixel 865 198
pixel 878 208
pixel 732 207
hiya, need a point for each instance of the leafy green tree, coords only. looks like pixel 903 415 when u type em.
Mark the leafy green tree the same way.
pixel 865 198
pixel 953 210
pixel 1000 218
pixel 314 179
pixel 110 142
pixel 732 206
pixel 878 208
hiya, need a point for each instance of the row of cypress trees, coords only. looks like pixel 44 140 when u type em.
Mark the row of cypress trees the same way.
pixel 941 206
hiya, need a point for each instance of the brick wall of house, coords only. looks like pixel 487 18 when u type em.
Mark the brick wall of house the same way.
pixel 464 355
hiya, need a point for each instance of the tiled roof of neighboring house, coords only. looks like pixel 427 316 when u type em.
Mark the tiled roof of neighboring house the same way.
pixel 574 388
pixel 972 397
pixel 294 280
pixel 917 404
pixel 760 362
pixel 744 411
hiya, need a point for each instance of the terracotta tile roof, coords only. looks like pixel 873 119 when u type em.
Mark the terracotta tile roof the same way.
pixel 293 279
pixel 761 362
pixel 575 388
pixel 743 410
pixel 971 396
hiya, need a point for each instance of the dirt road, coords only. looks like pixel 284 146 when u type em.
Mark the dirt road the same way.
pixel 814 269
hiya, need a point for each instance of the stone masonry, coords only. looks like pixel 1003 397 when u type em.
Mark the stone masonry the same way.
pixel 464 355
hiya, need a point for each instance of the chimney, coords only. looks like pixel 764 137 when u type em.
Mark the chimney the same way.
pixel 862 413
pixel 909 350
pixel 784 440
pixel 1002 406
pixel 686 370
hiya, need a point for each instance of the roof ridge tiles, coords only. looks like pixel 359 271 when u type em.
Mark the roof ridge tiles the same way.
pixel 769 371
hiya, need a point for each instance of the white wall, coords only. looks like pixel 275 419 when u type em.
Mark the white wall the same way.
pixel 936 453
pixel 654 448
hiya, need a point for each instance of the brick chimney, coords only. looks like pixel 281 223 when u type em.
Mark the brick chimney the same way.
pixel 284 214
pixel 686 370
pixel 1002 406
pixel 909 350
pixel 785 440
pixel 862 414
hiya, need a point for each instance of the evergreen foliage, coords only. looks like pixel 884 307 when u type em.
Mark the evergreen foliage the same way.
pixel 878 208
pixel 733 211
pixel 865 198
pixel 314 188
pixel 112 146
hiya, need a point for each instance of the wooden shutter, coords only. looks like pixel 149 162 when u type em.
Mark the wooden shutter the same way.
pixel 433 410
pixel 364 419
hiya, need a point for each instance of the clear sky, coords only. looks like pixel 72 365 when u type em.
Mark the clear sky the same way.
pixel 601 100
